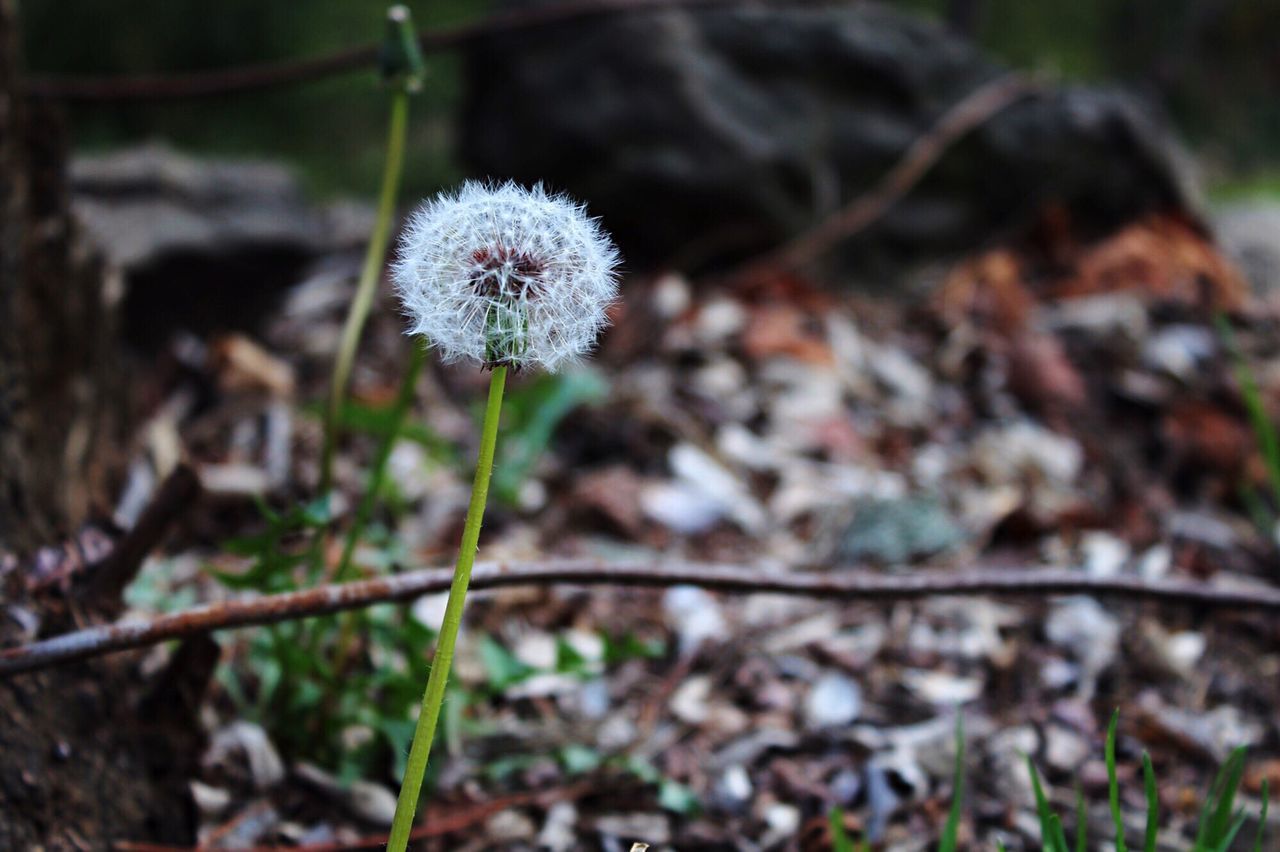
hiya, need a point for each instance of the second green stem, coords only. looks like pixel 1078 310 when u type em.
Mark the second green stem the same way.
pixel 433 698
pixel 368 285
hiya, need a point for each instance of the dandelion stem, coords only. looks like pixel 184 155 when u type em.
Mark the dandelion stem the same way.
pixel 433 698
pixel 374 258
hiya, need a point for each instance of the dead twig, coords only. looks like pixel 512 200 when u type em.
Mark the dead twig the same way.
pixel 270 75
pixel 436 822
pixel 108 579
pixel 840 584
pixel 972 111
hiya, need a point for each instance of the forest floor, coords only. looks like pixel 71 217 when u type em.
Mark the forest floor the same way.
pixel 1047 405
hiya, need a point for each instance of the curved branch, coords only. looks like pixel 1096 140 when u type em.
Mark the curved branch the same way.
pixel 845 585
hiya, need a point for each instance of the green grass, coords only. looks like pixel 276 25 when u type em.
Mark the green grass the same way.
pixel 1220 821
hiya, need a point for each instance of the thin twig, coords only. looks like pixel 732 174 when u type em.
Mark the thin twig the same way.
pixel 176 494
pixel 270 75
pixel 837 584
pixel 972 111
pixel 436 822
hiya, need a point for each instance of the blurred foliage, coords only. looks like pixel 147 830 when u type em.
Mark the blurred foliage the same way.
pixel 531 414
pixel 1215 66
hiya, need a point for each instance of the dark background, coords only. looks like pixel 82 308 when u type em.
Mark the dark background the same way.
pixel 1214 65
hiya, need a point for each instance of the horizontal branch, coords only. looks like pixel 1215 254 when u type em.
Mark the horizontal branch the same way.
pixel 836 584
pixel 270 75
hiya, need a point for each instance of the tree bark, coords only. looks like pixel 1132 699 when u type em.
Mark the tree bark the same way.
pixel 88 757
pixel 56 377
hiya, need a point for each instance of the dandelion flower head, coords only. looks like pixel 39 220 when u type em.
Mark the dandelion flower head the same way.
pixel 505 275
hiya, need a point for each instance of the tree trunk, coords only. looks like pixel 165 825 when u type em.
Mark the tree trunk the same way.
pixel 57 408
pixel 88 754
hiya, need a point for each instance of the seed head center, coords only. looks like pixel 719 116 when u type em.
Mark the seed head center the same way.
pixel 502 272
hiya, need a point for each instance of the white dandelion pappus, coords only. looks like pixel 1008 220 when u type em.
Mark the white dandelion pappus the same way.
pixel 505 275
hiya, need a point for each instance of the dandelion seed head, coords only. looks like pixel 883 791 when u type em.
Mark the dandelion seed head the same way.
pixel 501 274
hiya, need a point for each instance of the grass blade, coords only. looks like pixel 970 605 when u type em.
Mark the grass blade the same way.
pixel 1057 835
pixel 1262 817
pixel 1219 806
pixel 1082 821
pixel 1113 784
pixel 1153 804
pixel 952 828
pixel 1231 835
pixel 1051 836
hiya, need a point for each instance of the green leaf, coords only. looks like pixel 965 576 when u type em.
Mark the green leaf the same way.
pixel 677 798
pixel 629 647
pixel 502 667
pixel 840 841
pixel 568 660
pixel 532 414
pixel 1153 804
pixel 579 759
pixel 1113 785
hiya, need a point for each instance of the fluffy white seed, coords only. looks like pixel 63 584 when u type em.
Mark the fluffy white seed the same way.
pixel 501 274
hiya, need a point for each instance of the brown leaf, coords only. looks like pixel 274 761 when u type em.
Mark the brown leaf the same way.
pixel 1041 376
pixel 777 328
pixel 988 290
pixel 1163 257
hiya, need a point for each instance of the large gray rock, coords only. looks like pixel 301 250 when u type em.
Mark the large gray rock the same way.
pixel 203 244
pixel 715 132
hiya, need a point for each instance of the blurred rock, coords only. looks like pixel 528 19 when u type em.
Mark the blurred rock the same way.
pixel 143 203
pixel 1081 625
pixel 733 789
pixel 898 530
pixel 368 802
pixel 1214 734
pixel 653 828
pixel 558 831
pixel 833 702
pixel 695 616
pixel 202 244
pixel 1249 233
pixel 728 129
pixel 243 748
pixel 509 827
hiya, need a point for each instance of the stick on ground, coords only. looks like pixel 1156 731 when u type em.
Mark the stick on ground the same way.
pixel 853 586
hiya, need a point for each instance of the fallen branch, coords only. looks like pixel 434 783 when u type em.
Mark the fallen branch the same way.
pixel 839 584
pixel 270 75
pixel 969 113
pixel 108 579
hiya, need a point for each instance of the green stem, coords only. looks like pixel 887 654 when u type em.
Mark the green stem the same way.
pixel 377 477
pixel 368 285
pixel 433 698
